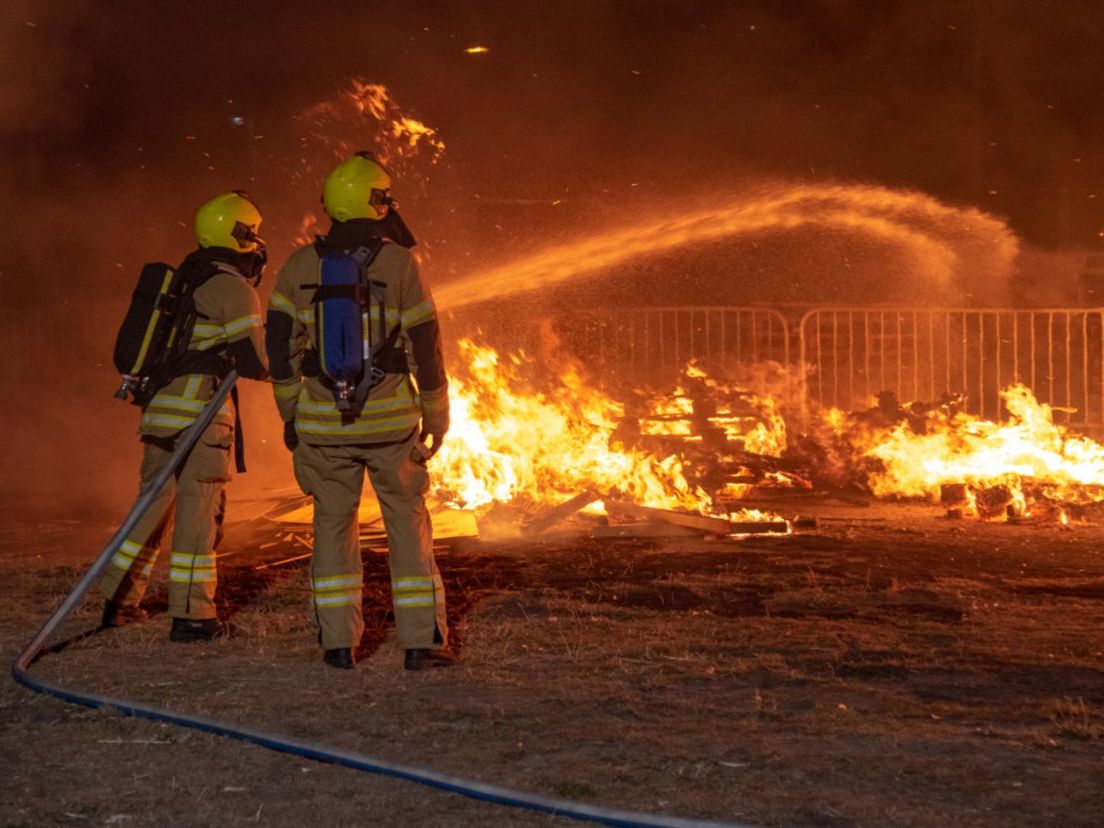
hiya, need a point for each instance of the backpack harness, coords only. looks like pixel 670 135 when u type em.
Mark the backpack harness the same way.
pixel 151 347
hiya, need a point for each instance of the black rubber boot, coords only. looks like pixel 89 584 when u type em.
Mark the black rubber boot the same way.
pixel 423 659
pixel 187 629
pixel 119 615
pixel 342 657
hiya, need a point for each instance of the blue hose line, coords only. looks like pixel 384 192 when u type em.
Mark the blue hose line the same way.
pixel 494 794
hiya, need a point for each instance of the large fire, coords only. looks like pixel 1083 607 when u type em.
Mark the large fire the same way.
pixel 1030 465
pixel 521 434
pixel 525 435
pixel 513 438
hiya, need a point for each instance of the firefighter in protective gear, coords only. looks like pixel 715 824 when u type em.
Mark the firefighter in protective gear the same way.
pixel 390 436
pixel 227 334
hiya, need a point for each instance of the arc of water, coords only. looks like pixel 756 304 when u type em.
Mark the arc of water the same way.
pixel 914 222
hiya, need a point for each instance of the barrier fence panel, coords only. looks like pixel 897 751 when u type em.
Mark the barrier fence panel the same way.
pixel 854 353
pixel 654 344
pixel 849 354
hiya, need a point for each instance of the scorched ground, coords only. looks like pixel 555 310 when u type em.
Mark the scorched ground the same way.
pixel 894 667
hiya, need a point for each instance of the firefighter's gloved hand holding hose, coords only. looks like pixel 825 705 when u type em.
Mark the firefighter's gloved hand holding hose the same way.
pixel 291 438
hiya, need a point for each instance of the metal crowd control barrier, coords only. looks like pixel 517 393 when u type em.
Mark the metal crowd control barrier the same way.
pixel 653 344
pixel 852 353
pixel 847 353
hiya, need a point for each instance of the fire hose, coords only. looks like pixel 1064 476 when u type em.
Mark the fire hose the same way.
pixel 307 749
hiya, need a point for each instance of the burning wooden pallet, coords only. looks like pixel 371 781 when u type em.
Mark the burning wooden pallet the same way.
pixel 626 519
pixel 506 522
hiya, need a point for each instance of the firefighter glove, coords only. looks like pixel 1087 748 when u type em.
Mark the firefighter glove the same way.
pixel 291 437
pixel 427 445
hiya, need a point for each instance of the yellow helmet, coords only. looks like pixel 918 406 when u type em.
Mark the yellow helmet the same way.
pixel 358 188
pixel 230 220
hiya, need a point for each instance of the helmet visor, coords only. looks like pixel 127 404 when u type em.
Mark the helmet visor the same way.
pixel 380 200
pixel 245 236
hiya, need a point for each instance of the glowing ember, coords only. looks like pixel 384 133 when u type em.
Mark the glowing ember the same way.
pixel 309 227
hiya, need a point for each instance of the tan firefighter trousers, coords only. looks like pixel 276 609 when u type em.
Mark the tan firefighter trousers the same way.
pixel 199 492
pixel 334 476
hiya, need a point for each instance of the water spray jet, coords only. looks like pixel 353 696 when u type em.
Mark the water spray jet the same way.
pixel 936 239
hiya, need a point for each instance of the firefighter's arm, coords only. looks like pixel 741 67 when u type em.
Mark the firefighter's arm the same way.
pixel 283 344
pixel 241 322
pixel 419 321
pixel 425 341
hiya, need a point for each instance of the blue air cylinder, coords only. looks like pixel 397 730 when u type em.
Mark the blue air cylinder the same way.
pixel 340 336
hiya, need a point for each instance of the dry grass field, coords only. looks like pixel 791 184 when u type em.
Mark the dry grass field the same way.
pixel 892 668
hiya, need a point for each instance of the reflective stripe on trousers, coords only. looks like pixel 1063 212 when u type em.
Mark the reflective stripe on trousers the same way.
pixel 195 499
pixel 334 476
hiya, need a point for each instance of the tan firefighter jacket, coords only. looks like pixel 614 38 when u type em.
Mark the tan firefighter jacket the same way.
pixel 395 406
pixel 229 311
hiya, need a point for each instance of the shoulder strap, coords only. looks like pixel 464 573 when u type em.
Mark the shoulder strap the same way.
pixel 193 276
pixel 363 256
pixel 366 254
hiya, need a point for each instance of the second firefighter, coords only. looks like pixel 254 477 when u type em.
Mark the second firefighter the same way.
pixel 227 267
pixel 348 322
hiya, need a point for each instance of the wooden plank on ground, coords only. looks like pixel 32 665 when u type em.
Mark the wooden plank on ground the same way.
pixel 282 561
pixel 561 511
pixel 645 530
pixel 303 514
pixel 454 523
pixel 700 523
pixel 759 527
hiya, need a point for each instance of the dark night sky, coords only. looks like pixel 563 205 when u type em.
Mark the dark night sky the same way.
pixel 990 104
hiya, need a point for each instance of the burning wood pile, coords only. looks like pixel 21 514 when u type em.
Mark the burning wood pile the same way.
pixel 532 452
pixel 711 448
pixel 1027 468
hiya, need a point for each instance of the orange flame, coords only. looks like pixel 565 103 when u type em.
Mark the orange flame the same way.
pixel 366 114
pixel 519 436
pixel 1030 451
pixel 515 437
pixel 510 439
pixel 375 100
